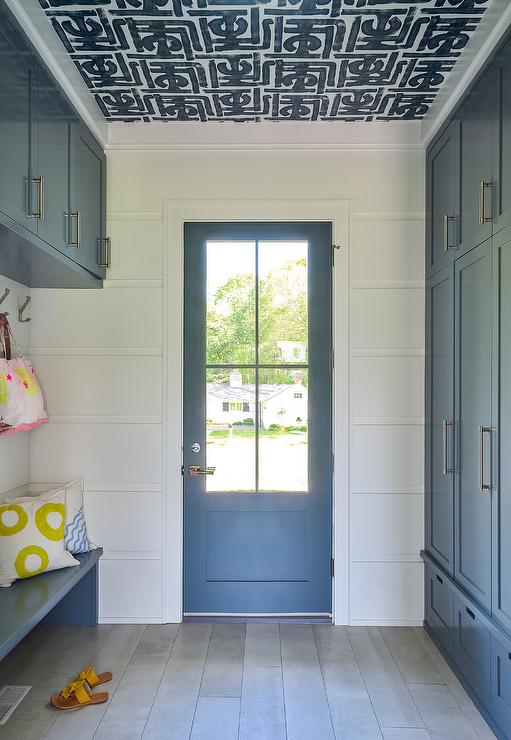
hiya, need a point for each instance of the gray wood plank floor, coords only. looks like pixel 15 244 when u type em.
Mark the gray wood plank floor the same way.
pixel 201 681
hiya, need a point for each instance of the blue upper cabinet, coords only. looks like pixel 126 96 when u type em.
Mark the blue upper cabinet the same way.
pixel 50 157
pixel 477 195
pixel 17 81
pixel 87 198
pixel 443 200
pixel 468 186
pixel 502 141
pixel 52 176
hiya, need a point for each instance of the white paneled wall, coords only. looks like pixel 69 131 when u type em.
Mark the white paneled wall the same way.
pixel 15 448
pixel 99 360
pixel 99 356
pixel 387 390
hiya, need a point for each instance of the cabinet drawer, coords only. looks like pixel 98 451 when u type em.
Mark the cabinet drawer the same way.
pixel 500 706
pixel 472 644
pixel 439 607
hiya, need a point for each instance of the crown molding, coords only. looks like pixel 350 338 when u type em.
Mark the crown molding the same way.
pixel 287 135
pixel 492 27
pixel 39 30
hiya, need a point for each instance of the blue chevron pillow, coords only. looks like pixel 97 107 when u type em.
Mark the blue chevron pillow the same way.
pixel 76 538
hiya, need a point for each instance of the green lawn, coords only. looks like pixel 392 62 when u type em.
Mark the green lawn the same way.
pixel 225 433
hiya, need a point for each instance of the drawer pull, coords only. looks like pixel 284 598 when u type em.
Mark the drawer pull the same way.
pixel 448 247
pixel 470 613
pixel 446 424
pixel 482 486
pixel 39 181
pixel 70 216
pixel 440 580
pixel 483 218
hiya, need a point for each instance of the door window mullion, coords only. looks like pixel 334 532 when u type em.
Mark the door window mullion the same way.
pixel 257 409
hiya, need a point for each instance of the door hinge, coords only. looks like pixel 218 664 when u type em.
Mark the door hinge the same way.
pixel 332 568
pixel 333 248
pixel 182 469
pixel 332 359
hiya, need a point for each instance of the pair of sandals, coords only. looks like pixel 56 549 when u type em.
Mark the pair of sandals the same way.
pixel 79 694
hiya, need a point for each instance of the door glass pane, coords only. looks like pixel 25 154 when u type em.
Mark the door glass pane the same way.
pixel 230 419
pixel 230 303
pixel 282 272
pixel 283 439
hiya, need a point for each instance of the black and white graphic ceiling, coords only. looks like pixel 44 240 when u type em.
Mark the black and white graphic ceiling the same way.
pixel 276 60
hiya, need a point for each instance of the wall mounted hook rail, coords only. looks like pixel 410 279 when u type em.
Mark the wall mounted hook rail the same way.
pixel 2 299
pixel 20 311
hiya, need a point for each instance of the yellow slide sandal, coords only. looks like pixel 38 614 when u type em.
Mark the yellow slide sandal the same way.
pixel 77 695
pixel 89 675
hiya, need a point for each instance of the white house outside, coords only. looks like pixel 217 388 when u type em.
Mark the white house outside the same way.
pixel 283 404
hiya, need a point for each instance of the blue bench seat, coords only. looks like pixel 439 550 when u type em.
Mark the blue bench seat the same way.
pixel 68 596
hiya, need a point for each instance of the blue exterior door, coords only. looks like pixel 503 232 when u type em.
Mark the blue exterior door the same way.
pixel 257 419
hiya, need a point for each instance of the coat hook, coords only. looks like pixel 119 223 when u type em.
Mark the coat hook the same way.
pixel 20 311
pixel 2 299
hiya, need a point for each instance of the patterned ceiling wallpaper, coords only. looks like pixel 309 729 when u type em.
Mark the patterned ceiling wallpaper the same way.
pixel 275 60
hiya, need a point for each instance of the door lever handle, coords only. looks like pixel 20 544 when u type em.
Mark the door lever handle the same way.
pixel 196 470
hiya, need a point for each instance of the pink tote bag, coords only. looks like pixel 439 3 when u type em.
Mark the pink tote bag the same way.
pixel 21 399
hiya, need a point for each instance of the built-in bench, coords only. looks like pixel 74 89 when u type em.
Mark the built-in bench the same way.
pixel 67 596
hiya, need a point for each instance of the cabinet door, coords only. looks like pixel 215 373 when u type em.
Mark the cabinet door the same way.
pixel 17 67
pixel 500 684
pixel 473 418
pixel 440 430
pixel 51 162
pixel 476 134
pixel 439 603
pixel 443 207
pixel 502 140
pixel 502 416
pixel 88 197
pixel 472 640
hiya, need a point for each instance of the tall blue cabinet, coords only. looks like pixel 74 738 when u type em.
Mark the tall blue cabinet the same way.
pixel 468 392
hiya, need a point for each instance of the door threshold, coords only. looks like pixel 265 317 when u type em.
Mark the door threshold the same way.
pixel 266 618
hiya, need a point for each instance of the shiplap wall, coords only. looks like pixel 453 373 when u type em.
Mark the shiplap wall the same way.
pixel 15 448
pixel 99 358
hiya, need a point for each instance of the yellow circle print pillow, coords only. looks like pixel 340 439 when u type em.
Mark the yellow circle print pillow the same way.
pixel 32 536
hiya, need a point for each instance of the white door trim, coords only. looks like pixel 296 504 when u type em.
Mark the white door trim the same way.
pixel 175 214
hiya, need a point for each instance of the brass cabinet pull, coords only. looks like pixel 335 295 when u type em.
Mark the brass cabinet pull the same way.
pixel 108 252
pixel 39 181
pixel 446 424
pixel 70 216
pixel 483 218
pixel 448 247
pixel 482 486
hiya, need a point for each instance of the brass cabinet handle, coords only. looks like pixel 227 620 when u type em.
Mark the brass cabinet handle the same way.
pixel 108 252
pixel 40 191
pixel 70 216
pixel 448 247
pixel 446 424
pixel 196 470
pixel 482 486
pixel 483 218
